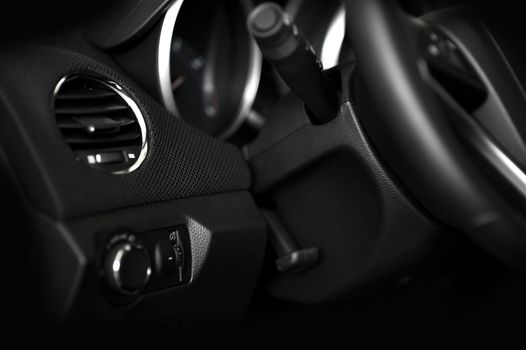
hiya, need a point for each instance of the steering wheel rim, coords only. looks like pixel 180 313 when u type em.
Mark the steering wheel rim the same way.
pixel 410 130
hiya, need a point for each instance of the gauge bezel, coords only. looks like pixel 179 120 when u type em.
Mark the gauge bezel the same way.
pixel 333 41
pixel 164 72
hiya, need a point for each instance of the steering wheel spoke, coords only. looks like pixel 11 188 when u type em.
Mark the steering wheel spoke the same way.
pixel 431 90
pixel 465 97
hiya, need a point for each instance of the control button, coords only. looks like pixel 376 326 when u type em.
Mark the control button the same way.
pixel 179 261
pixel 169 256
pixel 266 19
pixel 433 50
pixel 174 237
pixel 127 268
pixel 165 259
pixel 444 52
pixel 179 255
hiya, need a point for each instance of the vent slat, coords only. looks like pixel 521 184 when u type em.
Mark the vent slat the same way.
pixel 83 95
pixel 94 123
pixel 80 109
pixel 83 139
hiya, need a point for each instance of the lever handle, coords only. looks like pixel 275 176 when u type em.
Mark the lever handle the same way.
pixel 294 59
pixel 291 258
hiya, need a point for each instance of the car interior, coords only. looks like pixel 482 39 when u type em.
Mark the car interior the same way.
pixel 192 164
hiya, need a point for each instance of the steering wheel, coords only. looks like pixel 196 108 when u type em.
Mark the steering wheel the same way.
pixel 442 105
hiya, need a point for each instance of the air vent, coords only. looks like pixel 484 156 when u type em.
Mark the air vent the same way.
pixel 101 124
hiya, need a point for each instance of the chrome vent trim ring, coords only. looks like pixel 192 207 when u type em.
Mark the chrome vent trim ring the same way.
pixel 128 100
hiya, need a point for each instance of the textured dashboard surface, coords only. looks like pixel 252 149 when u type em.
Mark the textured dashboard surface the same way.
pixel 182 162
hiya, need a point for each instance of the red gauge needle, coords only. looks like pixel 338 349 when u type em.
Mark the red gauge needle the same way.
pixel 177 82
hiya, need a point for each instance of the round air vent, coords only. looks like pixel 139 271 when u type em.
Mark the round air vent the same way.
pixel 102 125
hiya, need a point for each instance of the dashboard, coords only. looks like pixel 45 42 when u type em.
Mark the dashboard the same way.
pixel 180 163
pixel 209 75
pixel 138 200
pixel 213 69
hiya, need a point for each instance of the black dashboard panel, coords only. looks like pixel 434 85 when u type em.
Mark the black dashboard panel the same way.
pixel 124 21
pixel 226 234
pixel 66 212
pixel 122 206
pixel 181 161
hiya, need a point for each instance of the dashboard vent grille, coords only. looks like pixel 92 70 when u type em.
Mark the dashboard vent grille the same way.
pixel 102 125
